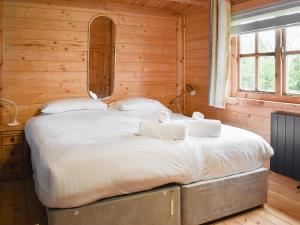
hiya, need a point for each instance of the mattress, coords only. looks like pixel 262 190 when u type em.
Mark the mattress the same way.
pixel 82 156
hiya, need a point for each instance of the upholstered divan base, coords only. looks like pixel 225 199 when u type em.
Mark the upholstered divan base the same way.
pixel 191 204
pixel 206 201
pixel 155 207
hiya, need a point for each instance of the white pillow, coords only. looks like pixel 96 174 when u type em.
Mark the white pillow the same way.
pixel 66 105
pixel 138 104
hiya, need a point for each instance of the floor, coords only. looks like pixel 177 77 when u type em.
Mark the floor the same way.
pixel 20 206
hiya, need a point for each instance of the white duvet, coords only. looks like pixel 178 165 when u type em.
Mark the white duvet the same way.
pixel 82 156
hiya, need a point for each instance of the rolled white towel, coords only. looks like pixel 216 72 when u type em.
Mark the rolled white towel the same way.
pixel 164 117
pixel 202 128
pixel 197 116
pixel 166 131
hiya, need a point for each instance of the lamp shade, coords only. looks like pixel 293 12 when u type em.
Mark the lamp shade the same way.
pixel 15 122
pixel 190 89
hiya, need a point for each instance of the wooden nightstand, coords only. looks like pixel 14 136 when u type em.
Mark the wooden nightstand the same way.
pixel 13 153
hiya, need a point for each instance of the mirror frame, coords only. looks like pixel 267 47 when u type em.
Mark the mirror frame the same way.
pixel 88 55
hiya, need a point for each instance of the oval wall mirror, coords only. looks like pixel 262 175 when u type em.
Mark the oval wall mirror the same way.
pixel 101 57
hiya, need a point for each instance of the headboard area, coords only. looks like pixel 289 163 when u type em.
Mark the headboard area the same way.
pixel 45 52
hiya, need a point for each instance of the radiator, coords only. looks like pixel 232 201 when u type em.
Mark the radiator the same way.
pixel 285 139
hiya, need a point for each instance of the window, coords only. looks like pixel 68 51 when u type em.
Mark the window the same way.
pixel 268 64
pixel 292 60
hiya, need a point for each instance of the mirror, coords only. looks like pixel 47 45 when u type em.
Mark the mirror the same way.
pixel 101 61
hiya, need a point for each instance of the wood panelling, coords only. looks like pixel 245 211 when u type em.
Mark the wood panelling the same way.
pixel 45 55
pixel 171 5
pixel 249 114
pixel 197 57
pixel 101 6
pixel 45 52
pixel 1 50
pixel 244 5
pixel 234 2
pixel 174 5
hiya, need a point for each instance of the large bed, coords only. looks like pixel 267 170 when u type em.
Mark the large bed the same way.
pixel 82 157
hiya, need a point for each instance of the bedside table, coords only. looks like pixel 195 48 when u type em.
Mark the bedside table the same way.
pixel 13 153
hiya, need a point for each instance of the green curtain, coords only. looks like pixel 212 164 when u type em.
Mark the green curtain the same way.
pixel 219 51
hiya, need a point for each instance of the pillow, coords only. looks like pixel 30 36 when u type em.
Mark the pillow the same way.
pixel 138 104
pixel 66 105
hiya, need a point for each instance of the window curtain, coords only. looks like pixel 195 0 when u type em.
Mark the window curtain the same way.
pixel 219 51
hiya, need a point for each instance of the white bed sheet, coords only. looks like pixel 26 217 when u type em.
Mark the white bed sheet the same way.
pixel 81 157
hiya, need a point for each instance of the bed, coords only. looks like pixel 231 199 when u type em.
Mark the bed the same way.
pixel 82 158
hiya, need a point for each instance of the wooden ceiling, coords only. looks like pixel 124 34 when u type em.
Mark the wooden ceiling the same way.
pixel 177 5
pixel 173 6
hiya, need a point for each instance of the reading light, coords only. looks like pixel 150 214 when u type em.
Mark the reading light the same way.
pixel 15 122
pixel 189 89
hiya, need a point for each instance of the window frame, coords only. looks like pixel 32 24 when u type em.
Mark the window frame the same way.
pixel 256 56
pixel 286 53
pixel 280 94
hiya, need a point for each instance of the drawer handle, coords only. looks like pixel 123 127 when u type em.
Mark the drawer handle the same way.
pixel 12 139
pixel 13 153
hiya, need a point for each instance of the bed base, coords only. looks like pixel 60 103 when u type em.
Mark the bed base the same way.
pixel 191 204
pixel 210 200
pixel 155 207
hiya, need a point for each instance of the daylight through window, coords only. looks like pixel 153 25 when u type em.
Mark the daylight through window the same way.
pixel 269 61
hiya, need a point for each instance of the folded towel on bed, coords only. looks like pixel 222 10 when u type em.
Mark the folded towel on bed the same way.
pixel 197 116
pixel 164 117
pixel 203 127
pixel 166 131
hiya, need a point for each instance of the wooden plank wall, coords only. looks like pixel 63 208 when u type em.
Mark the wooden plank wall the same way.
pixel 45 53
pixel 251 4
pixel 249 114
pixel 1 49
pixel 197 21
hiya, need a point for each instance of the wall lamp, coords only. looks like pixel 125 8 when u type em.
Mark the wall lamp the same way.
pixel 15 122
pixel 189 89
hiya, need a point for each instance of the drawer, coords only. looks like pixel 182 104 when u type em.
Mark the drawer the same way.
pixel 12 152
pixel 12 139
pixel 13 167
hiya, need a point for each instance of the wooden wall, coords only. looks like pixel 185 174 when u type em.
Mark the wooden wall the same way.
pixel 45 58
pixel 1 49
pixel 45 53
pixel 250 114
pixel 251 4
pixel 197 21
